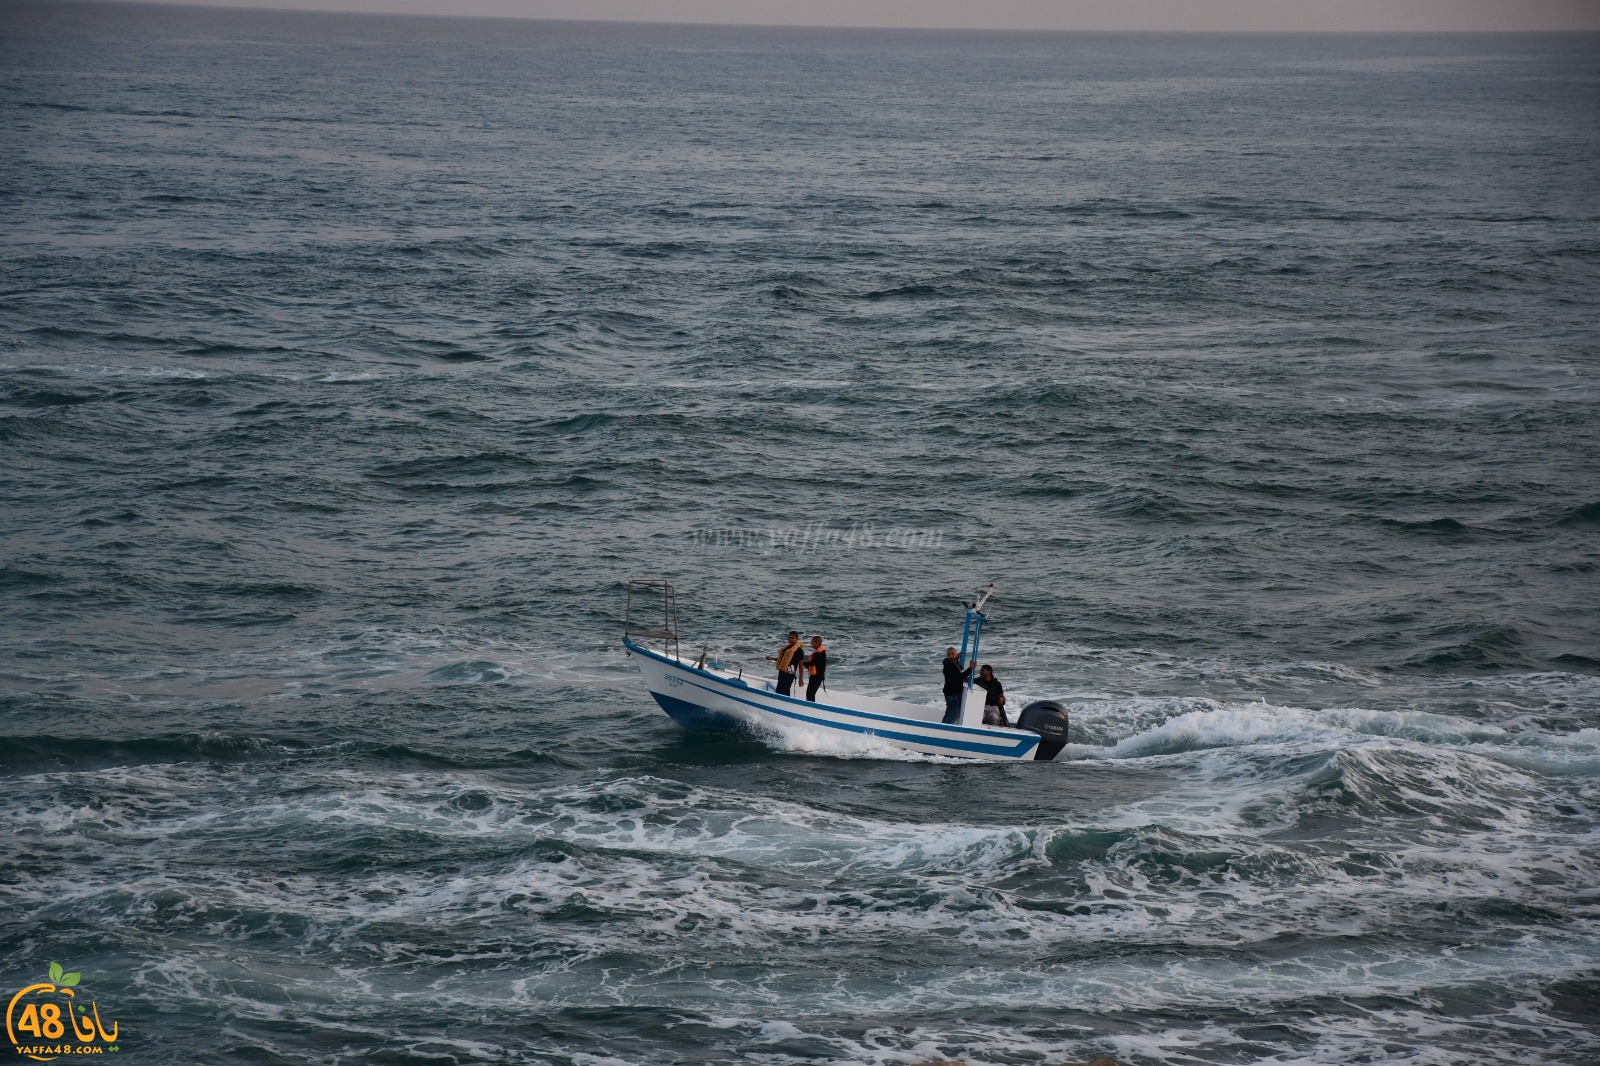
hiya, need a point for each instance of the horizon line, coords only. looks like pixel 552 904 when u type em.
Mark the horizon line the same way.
pixel 293 7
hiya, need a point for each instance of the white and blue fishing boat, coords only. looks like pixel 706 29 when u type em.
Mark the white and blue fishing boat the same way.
pixel 701 694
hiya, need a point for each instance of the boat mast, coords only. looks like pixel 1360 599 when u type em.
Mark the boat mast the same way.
pixel 972 630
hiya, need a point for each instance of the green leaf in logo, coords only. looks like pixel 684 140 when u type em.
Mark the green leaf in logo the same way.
pixel 70 979
pixel 55 972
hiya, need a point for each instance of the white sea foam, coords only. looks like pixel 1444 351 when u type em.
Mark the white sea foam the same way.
pixel 111 370
pixel 1180 727
pixel 642 846
pixel 802 739
pixel 639 891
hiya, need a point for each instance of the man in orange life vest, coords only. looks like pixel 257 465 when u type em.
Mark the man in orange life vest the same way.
pixel 817 666
pixel 791 659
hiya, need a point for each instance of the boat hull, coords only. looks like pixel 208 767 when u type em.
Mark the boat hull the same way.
pixel 710 698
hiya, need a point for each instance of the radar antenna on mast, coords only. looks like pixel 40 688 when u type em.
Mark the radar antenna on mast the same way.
pixel 984 598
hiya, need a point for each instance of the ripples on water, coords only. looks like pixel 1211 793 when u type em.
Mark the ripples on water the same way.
pixel 349 363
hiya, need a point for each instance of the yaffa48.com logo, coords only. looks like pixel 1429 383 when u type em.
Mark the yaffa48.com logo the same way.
pixel 46 1021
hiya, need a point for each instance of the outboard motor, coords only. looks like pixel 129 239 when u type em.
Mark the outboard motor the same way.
pixel 1049 719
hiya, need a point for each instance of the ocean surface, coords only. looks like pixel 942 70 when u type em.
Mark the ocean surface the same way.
pixel 349 365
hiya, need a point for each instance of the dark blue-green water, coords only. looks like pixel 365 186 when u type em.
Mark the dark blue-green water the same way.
pixel 348 365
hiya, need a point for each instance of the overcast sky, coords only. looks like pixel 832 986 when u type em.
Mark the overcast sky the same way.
pixel 1338 15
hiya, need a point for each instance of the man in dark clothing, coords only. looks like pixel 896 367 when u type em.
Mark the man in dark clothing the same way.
pixel 791 659
pixel 817 664
pixel 955 686
pixel 994 702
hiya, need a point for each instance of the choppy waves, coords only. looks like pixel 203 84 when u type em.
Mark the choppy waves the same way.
pixel 1345 868
pixel 348 365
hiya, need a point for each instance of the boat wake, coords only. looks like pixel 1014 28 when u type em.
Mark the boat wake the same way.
pixel 801 739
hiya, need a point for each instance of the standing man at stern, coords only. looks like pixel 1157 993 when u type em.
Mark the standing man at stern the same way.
pixel 791 659
pixel 955 681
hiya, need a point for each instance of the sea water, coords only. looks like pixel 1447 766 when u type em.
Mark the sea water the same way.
pixel 349 365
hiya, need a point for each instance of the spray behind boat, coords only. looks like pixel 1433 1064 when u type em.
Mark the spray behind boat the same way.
pixel 1046 717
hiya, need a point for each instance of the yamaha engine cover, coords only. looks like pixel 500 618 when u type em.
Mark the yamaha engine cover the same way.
pixel 1049 719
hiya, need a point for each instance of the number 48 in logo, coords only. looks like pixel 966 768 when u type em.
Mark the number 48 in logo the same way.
pixel 42 1006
